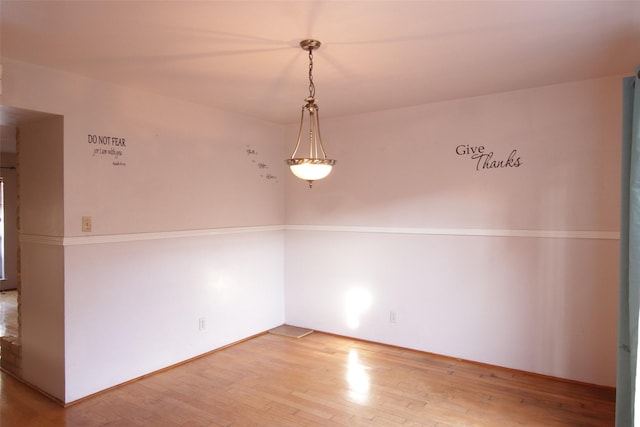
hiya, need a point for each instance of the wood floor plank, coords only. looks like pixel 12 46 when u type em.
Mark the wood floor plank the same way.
pixel 322 380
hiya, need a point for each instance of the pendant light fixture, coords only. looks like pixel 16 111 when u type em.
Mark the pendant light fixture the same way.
pixel 316 165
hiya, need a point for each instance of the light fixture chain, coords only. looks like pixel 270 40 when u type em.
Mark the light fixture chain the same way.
pixel 312 87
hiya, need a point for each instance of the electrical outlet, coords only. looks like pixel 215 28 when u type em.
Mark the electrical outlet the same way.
pixel 86 224
pixel 393 317
pixel 201 324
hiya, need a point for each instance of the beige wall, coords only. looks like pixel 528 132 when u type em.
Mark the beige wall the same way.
pixel 513 266
pixel 186 226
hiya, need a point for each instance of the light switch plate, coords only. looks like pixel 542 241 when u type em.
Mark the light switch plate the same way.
pixel 86 224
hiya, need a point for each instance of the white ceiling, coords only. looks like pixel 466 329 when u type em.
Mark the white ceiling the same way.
pixel 243 56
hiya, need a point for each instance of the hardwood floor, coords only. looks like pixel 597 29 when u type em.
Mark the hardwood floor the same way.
pixel 321 380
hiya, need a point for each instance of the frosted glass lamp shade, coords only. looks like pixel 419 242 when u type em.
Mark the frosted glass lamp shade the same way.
pixel 311 169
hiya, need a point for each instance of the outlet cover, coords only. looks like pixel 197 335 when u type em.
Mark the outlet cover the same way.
pixel 393 316
pixel 86 224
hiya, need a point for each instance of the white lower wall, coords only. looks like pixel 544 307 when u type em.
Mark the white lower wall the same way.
pixel 133 307
pixel 544 305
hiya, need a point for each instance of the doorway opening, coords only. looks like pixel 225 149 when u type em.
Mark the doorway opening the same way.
pixel 8 293
pixel 2 227
pixel 10 349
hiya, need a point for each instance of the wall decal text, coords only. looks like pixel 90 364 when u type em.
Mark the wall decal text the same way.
pixel 485 159
pixel 109 146
pixel 262 167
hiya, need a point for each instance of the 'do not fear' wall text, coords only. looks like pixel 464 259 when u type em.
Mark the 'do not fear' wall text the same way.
pixel 109 146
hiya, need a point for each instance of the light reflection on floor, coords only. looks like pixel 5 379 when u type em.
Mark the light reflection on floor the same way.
pixel 357 378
